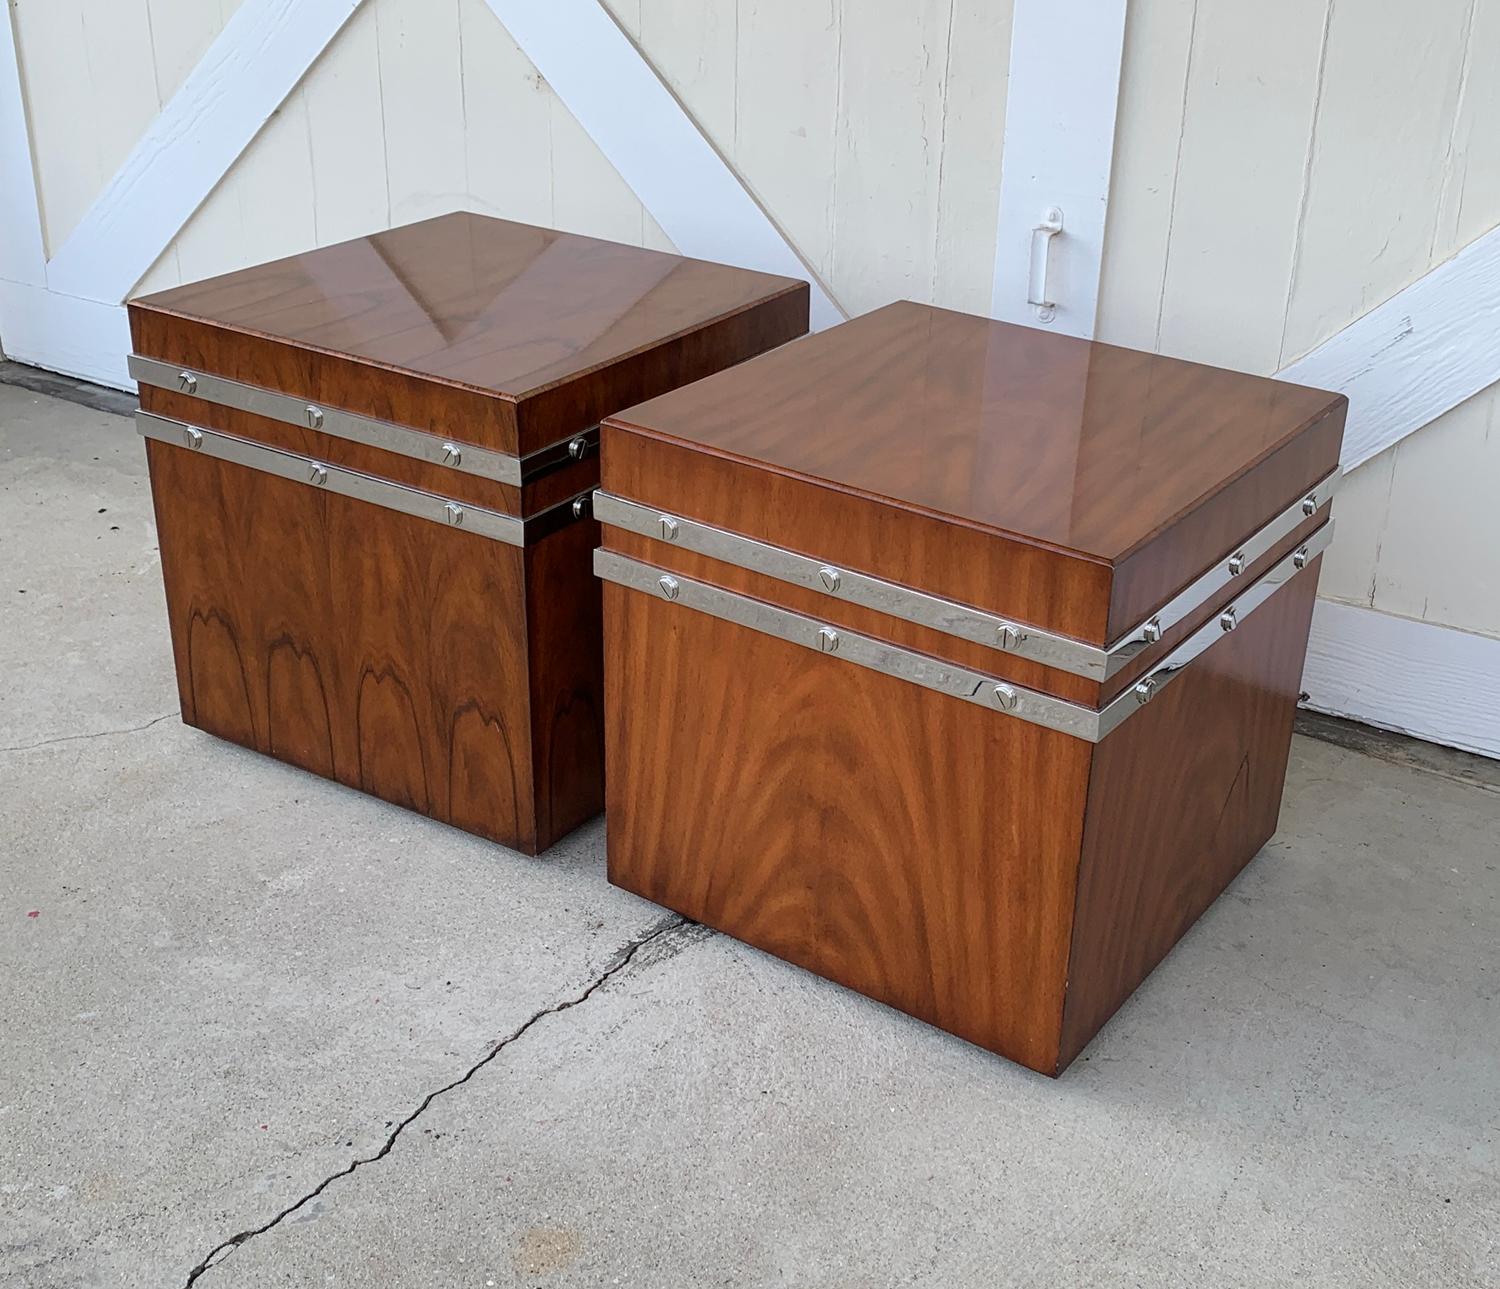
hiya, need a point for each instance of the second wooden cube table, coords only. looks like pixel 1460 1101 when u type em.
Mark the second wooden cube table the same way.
pixel 957 661
pixel 371 466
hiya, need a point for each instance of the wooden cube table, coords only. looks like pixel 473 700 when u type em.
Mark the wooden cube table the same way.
pixel 371 466
pixel 956 661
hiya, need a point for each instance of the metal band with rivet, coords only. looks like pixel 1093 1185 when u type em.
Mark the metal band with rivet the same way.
pixel 420 445
pixel 951 617
pixel 510 529
pixel 1090 724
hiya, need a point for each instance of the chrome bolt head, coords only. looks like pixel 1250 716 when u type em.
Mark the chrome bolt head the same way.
pixel 187 382
pixel 580 507
pixel 1151 632
pixel 831 578
pixel 828 639
pixel 1228 620
pixel 317 474
pixel 314 418
pixel 1008 637
pixel 455 513
pixel 1005 697
pixel 669 586
pixel 1310 504
pixel 577 447
pixel 452 454
pixel 669 527
pixel 1237 563
pixel 1145 691
pixel 192 438
pixel 1299 557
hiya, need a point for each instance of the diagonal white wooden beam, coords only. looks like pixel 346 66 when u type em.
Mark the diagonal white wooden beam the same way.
pixel 649 138
pixel 1411 359
pixel 1060 106
pixel 22 258
pixel 257 60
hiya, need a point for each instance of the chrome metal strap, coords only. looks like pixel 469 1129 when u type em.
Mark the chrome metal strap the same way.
pixel 949 616
pixel 362 487
pixel 976 687
pixel 464 457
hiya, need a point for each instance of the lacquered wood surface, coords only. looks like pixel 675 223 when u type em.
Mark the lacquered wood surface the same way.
pixel 386 652
pixel 854 824
pixel 480 329
pixel 1144 463
pixel 956 561
pixel 1180 799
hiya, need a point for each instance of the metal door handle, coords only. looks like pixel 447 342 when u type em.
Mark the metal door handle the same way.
pixel 1041 250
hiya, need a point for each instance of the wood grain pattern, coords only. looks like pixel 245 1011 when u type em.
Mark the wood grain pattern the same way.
pixel 844 820
pixel 1166 834
pixel 955 560
pixel 385 652
pixel 1088 454
pixel 480 329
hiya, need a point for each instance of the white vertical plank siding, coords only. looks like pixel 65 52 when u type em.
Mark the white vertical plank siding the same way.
pixel 346 144
pixel 508 115
pixel 1060 112
pixel 893 64
pixel 260 55
pixel 23 258
pixel 421 77
pixel 1370 211
pixel 1252 94
pixel 624 107
pixel 787 88
pixel 971 128
pixel 1143 184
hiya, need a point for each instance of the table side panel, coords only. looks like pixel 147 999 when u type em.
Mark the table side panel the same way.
pixel 362 644
pixel 564 634
pixel 849 822
pixel 1181 797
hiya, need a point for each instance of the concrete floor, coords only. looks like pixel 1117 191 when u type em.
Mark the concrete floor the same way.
pixel 264 1031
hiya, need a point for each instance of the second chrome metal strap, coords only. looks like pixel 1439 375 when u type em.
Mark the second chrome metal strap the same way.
pixel 1090 724
pixel 467 458
pixel 510 529
pixel 949 616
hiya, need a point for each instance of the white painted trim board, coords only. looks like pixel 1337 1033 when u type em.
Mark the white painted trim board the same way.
pixel 253 64
pixel 1060 106
pixel 1433 682
pixel 1422 352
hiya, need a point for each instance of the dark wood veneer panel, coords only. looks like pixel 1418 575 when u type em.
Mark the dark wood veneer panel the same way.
pixel 1180 799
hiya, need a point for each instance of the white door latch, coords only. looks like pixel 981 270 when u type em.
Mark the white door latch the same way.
pixel 1037 291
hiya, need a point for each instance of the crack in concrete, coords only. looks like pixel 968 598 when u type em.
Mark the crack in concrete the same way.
pixel 622 959
pixel 77 738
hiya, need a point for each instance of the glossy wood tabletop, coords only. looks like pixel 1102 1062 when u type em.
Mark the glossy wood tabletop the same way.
pixel 1071 443
pixel 569 328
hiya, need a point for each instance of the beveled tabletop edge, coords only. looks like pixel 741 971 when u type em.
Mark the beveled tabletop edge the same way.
pixel 154 303
pixel 906 507
pixel 1337 404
